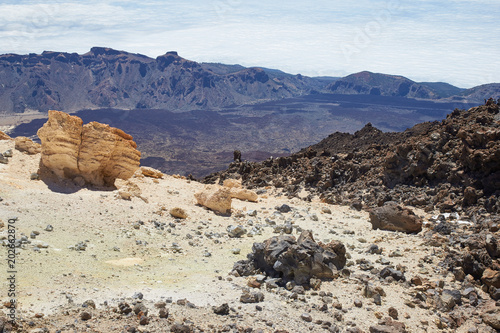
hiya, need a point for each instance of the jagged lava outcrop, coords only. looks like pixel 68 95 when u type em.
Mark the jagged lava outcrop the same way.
pixel 96 152
pixel 452 165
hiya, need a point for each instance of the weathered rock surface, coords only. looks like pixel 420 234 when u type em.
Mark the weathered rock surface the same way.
pixel 244 194
pixel 4 136
pixel 294 260
pixel 151 172
pixel 97 152
pixel 25 144
pixel 238 192
pixel 218 200
pixel 178 213
pixel 393 217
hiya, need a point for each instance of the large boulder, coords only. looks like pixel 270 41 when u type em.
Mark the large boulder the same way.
pixel 394 217
pixel 218 200
pixel 296 260
pixel 97 152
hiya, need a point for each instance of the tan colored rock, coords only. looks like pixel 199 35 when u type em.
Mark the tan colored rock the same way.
pixel 128 189
pixel 232 183
pixel 97 152
pixel 4 136
pixel 178 213
pixel 238 192
pixel 243 194
pixel 491 278
pixel 150 172
pixel 25 144
pixel 218 200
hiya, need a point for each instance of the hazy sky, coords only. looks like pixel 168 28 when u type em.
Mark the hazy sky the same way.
pixel 456 41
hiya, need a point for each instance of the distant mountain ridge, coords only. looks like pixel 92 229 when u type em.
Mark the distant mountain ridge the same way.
pixel 368 83
pixel 104 78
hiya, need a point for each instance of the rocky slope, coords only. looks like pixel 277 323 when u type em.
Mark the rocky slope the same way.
pixel 105 77
pixel 450 165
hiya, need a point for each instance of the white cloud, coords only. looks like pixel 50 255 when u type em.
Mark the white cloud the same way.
pixel 454 41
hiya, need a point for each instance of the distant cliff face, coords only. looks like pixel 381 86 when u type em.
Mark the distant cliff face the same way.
pixel 105 77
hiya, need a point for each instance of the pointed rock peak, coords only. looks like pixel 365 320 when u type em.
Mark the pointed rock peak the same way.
pixel 368 129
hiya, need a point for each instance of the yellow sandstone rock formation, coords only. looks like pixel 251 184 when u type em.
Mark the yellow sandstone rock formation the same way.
pixel 25 144
pixel 4 136
pixel 97 152
pixel 218 201
pixel 238 192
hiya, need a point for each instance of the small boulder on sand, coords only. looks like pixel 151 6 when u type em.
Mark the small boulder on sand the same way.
pixel 178 213
pixel 238 192
pixel 150 172
pixel 218 200
pixel 394 217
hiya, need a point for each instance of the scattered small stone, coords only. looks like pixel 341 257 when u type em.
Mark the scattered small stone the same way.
pixel 124 308
pixel 252 297
pixel 222 310
pixel 85 316
pixel 138 295
pixel 358 303
pixel 395 274
pixel 144 320
pixel 236 231
pixel 178 213
pixel 283 208
pixel 235 251
pixel 306 317
pixel 89 304
pixel 163 313
pixel 140 307
pixel 160 305
pixel 374 249
pixel 49 228
pixel 180 328
pixel 252 212
pixel 326 210
pixel 34 176
pixel 393 313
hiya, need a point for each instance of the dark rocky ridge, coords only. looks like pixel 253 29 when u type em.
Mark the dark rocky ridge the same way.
pixel 452 165
pixel 105 77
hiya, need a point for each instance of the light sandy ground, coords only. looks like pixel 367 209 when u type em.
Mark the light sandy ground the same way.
pixel 116 263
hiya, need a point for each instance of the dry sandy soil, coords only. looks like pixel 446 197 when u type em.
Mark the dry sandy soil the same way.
pixel 127 253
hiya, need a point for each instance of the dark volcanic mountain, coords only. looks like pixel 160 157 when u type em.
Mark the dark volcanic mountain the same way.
pixel 105 77
pixel 367 83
